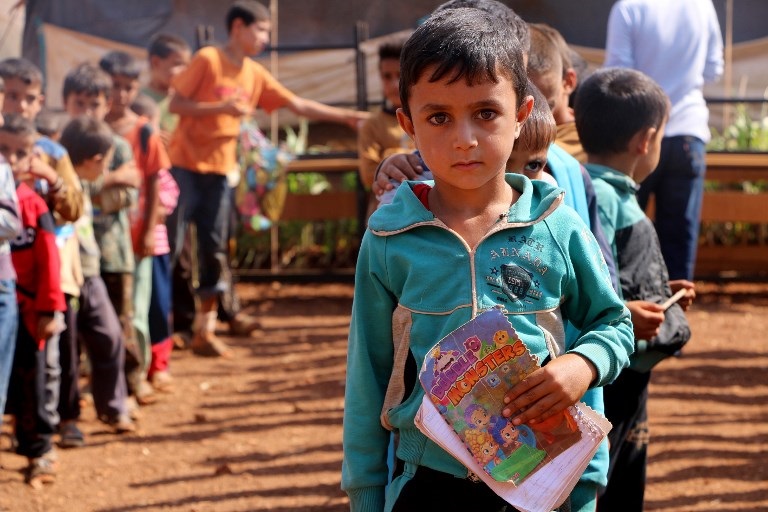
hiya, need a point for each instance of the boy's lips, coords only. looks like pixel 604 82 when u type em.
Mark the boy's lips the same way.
pixel 466 165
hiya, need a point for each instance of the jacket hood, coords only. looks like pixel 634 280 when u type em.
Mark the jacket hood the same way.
pixel 537 200
pixel 619 181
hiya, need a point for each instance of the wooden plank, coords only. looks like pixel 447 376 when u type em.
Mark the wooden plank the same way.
pixel 732 175
pixel 734 160
pixel 318 207
pixel 742 259
pixel 323 165
pixel 735 207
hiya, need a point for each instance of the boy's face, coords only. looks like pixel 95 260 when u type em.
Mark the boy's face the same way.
pixel 251 39
pixel 529 163
pixel 79 104
pixel 17 150
pixel 124 91
pixel 20 98
pixel 96 166
pixel 162 70
pixel 465 133
pixel 389 72
pixel 551 86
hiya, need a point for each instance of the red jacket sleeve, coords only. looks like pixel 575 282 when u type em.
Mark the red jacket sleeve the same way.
pixel 48 296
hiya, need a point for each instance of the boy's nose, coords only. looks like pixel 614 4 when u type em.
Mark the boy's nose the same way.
pixel 465 136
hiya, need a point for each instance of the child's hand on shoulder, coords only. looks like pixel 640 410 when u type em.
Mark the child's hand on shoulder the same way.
pixel 399 167
pixel 549 390
pixel 690 294
pixel 647 318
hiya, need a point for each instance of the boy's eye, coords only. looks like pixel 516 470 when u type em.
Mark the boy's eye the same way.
pixel 534 166
pixel 439 118
pixel 487 115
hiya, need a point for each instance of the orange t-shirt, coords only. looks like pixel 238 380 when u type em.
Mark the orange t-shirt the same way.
pixel 207 144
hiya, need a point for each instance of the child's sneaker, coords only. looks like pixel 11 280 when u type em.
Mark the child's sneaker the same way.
pixel 123 424
pixel 162 381
pixel 41 470
pixel 70 435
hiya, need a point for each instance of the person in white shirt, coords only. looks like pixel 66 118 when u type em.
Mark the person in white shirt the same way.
pixel 680 46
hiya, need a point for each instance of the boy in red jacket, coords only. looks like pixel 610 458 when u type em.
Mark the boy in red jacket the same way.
pixel 41 305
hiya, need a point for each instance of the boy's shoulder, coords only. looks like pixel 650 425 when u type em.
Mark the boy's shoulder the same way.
pixel 29 201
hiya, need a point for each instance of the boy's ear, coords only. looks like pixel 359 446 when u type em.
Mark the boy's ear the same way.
pixel 405 123
pixel 522 114
pixel 641 141
pixel 570 81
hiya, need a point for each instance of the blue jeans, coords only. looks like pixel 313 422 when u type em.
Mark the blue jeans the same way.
pixel 9 322
pixel 204 199
pixel 678 185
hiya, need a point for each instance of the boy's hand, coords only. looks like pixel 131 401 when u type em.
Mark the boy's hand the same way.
pixel 690 295
pixel 47 326
pixel 39 169
pixel 398 167
pixel 235 108
pixel 127 175
pixel 549 390
pixel 147 244
pixel 647 318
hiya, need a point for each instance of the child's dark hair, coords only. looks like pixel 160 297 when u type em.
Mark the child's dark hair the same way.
pixel 17 124
pixel 85 137
pixel 468 44
pixel 613 105
pixel 545 57
pixel 87 79
pixel 498 10
pixel 145 106
pixel 564 51
pixel 50 122
pixel 120 63
pixel 21 69
pixel 391 49
pixel 249 11
pixel 539 131
pixel 162 45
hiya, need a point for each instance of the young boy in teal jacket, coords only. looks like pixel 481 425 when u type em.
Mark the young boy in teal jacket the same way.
pixel 444 251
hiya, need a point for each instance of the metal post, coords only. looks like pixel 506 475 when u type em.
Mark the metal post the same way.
pixel 361 71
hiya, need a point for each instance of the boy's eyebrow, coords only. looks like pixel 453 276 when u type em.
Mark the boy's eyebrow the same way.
pixel 488 103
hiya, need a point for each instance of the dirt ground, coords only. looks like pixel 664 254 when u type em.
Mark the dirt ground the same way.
pixel 263 431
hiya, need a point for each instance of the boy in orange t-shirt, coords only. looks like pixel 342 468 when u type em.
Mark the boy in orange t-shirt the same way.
pixel 220 86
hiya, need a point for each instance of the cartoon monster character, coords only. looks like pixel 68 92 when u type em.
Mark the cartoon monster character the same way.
pixel 501 338
pixel 444 359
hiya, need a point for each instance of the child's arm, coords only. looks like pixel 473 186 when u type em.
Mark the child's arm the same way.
pixel 590 303
pixel 647 318
pixel 187 107
pixel 690 295
pixel 65 194
pixel 399 167
pixel 48 296
pixel 322 112
pixel 10 222
pixel 369 367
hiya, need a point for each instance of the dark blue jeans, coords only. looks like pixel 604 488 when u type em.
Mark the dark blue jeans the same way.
pixel 9 319
pixel 204 199
pixel 678 185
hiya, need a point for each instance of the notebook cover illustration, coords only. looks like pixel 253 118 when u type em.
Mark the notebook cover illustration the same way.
pixel 466 376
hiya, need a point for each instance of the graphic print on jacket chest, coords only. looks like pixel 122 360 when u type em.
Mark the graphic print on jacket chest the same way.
pixel 517 270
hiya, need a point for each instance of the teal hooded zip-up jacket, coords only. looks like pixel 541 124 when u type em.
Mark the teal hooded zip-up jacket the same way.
pixel 417 280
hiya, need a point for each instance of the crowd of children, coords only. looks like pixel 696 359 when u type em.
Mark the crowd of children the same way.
pixel 93 239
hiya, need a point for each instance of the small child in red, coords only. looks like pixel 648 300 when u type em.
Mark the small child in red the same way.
pixel 41 305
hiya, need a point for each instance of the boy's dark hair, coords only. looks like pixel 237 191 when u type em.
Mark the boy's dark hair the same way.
pixel 145 106
pixel 613 105
pixel 87 79
pixel 545 56
pixel 85 137
pixel 556 38
pixel 162 45
pixel 391 49
pixel 17 124
pixel 120 63
pixel 499 10
pixel 539 131
pixel 49 122
pixel 468 44
pixel 21 69
pixel 249 11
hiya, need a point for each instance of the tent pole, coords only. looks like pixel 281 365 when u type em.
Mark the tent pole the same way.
pixel 728 71
pixel 273 68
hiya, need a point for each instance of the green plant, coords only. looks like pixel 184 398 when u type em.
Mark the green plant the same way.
pixel 745 134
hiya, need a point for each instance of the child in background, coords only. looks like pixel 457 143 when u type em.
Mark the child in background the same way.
pixel 150 239
pixel 168 56
pixel 463 104
pixel 220 86
pixel 49 123
pixel 381 135
pixel 41 305
pixel 529 156
pixel 550 67
pixel 10 225
pixel 621 115
pixel 87 90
